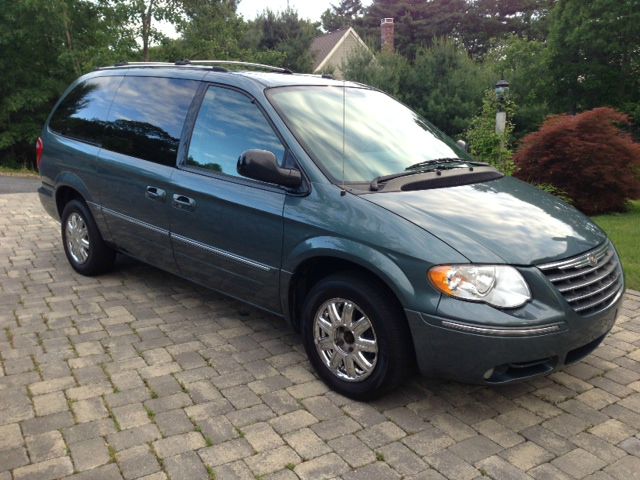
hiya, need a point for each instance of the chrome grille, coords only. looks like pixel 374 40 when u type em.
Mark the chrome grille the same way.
pixel 589 282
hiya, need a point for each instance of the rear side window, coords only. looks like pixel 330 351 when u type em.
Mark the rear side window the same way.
pixel 228 124
pixel 82 114
pixel 146 117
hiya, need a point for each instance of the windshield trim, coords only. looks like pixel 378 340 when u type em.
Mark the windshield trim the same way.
pixel 325 171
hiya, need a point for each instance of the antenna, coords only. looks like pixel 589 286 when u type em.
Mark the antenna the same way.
pixel 343 192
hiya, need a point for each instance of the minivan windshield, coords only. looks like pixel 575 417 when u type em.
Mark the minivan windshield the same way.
pixel 381 136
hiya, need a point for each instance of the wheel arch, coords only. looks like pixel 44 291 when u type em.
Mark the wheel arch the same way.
pixel 326 256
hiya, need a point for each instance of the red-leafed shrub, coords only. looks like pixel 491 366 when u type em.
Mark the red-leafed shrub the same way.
pixel 587 156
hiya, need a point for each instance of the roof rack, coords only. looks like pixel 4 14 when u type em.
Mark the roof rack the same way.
pixel 200 63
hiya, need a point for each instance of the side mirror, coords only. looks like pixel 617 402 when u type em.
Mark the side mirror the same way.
pixel 263 165
pixel 463 145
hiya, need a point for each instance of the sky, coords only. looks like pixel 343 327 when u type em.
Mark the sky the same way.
pixel 249 9
pixel 310 9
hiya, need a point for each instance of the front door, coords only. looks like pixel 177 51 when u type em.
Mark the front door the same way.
pixel 226 230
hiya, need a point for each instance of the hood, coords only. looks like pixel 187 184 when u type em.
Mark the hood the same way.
pixel 503 220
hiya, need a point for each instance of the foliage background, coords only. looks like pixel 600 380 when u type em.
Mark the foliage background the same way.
pixel 560 56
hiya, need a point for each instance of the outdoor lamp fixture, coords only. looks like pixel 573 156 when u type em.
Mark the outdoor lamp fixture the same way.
pixel 502 88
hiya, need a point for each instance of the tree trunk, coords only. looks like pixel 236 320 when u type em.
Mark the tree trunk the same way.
pixel 69 37
pixel 146 31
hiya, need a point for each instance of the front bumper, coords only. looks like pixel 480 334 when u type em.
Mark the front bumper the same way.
pixel 504 355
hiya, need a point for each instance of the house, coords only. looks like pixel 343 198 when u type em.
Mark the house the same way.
pixel 330 50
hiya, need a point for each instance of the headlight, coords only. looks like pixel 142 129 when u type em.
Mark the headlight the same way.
pixel 498 285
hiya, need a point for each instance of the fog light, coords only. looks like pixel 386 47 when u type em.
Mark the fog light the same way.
pixel 488 374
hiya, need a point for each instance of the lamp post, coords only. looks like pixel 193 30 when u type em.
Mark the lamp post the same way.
pixel 502 89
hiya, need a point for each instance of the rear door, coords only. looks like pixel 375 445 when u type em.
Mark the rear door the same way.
pixel 227 230
pixel 137 161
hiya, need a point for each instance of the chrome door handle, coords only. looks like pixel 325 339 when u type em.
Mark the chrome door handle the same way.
pixel 182 202
pixel 155 193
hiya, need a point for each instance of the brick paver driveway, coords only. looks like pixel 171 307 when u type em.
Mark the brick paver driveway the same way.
pixel 141 374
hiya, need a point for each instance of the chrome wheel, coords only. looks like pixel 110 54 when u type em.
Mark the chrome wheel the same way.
pixel 77 236
pixel 345 339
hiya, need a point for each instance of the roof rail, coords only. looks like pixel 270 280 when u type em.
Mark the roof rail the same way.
pixel 201 63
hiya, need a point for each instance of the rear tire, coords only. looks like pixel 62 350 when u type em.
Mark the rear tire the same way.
pixel 356 337
pixel 84 247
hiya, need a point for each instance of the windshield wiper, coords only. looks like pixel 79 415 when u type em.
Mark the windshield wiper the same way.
pixel 436 161
pixel 421 167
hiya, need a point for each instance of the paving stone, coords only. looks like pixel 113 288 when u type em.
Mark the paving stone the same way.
pixel 475 448
pixel 53 385
pixel 381 434
pixel 262 437
pixel 89 410
pixel 10 436
pixel 428 441
pixel 526 455
pixel 272 460
pixel 50 403
pixel 548 440
pixel 46 423
pixel 547 471
pixel 45 446
pixel 85 431
pixel 598 447
pixel 89 454
pixel 133 436
pixel 47 470
pixel 326 466
pixel 226 452
pixel 613 431
pixel 292 421
pixel 627 468
pixel 352 450
pixel 129 416
pixel 136 462
pixel 498 433
pixel 451 465
pixel 14 406
pixel 306 443
pixel 578 463
pixel 105 472
pixel 237 470
pixel 168 447
pixel 374 471
pixel 497 467
pixel 401 459
pixel 13 458
pixel 186 466
pixel 173 422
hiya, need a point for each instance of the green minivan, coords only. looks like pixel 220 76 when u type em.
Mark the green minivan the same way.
pixel 334 206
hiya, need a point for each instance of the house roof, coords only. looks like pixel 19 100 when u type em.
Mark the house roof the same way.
pixel 322 46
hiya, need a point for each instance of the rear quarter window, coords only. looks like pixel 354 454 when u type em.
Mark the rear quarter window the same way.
pixel 146 117
pixel 82 114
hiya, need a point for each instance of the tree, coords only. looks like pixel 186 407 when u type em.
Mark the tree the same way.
pixel 594 57
pixel 447 85
pixel 46 44
pixel 486 144
pixel 587 156
pixel 342 15
pixel 285 32
pixel 524 64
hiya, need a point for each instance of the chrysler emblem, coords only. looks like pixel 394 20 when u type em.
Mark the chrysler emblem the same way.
pixel 593 260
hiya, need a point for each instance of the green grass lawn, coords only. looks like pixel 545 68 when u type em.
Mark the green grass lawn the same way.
pixel 20 172
pixel 624 231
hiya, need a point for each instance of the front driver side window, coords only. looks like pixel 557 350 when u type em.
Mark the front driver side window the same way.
pixel 228 124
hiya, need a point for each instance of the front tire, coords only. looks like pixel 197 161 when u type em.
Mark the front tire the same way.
pixel 84 247
pixel 356 337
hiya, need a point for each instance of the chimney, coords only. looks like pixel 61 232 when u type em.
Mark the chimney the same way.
pixel 386 34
